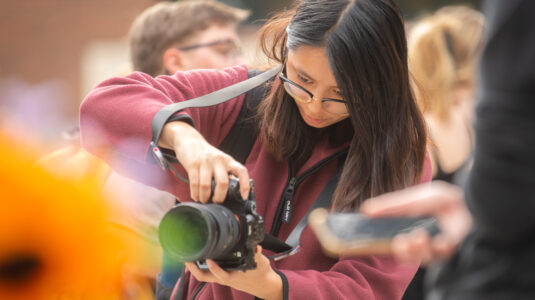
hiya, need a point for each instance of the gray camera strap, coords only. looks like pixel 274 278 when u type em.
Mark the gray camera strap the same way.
pixel 214 98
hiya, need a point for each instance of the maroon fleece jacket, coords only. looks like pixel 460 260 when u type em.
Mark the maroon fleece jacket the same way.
pixel 115 121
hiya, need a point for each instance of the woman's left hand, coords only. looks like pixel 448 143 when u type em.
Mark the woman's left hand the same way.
pixel 261 282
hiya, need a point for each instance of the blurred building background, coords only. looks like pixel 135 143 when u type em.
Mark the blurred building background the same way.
pixel 52 52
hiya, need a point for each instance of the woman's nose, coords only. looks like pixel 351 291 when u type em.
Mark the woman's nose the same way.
pixel 315 105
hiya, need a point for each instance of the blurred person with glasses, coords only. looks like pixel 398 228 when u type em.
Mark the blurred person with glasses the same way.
pixel 342 105
pixel 226 48
pixel 183 35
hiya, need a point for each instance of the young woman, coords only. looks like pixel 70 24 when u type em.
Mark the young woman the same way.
pixel 344 87
pixel 444 49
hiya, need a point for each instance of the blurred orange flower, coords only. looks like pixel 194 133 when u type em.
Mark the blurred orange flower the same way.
pixel 55 242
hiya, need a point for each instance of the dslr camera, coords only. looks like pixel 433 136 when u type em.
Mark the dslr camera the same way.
pixel 227 233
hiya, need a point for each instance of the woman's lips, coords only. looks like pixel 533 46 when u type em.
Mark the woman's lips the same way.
pixel 313 120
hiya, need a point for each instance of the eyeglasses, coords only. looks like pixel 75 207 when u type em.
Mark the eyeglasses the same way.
pixel 299 93
pixel 226 47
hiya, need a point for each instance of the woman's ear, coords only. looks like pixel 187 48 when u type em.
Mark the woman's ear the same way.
pixel 173 61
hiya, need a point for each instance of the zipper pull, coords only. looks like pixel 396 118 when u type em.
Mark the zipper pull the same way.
pixel 288 196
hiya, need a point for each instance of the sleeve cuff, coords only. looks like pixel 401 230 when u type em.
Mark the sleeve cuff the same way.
pixel 183 118
pixel 180 117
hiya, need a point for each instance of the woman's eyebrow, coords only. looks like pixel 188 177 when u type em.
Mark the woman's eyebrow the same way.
pixel 299 70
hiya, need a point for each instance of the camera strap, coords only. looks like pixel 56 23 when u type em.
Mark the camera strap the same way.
pixel 164 157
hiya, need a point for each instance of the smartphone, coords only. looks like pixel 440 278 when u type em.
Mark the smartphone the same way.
pixel 355 234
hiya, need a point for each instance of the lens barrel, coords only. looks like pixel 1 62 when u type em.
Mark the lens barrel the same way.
pixel 192 231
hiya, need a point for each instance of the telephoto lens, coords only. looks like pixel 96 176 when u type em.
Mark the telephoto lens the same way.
pixel 226 233
pixel 192 231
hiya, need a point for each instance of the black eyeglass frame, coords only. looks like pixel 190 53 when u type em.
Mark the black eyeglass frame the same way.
pixel 285 79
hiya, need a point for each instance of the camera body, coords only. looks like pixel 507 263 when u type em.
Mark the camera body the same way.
pixel 226 233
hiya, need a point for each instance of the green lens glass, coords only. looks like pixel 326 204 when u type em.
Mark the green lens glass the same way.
pixel 184 234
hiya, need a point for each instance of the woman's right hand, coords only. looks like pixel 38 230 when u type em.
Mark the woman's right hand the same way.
pixel 203 162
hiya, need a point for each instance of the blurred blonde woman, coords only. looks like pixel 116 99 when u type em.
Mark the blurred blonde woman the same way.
pixel 443 53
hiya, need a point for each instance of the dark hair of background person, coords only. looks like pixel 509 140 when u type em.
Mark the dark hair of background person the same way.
pixel 387 151
pixel 169 24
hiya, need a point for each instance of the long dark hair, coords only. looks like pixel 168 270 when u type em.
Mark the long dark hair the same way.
pixel 367 52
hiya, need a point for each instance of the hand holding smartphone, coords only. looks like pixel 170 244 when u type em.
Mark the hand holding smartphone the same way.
pixel 355 234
